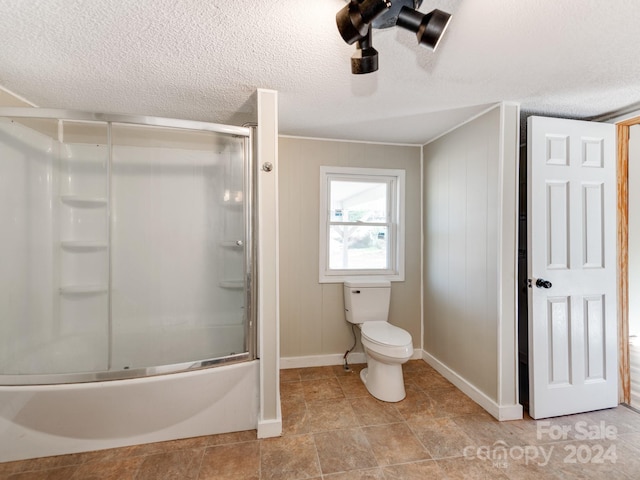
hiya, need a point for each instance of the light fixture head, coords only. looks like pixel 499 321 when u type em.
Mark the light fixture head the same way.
pixel 429 27
pixel 354 19
pixel 389 17
pixel 365 59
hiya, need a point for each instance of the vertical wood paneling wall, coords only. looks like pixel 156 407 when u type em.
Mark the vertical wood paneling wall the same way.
pixel 312 314
pixel 469 252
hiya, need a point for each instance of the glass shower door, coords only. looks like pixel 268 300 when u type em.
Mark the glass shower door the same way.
pixel 177 233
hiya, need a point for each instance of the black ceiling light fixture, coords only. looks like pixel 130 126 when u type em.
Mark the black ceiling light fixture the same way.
pixel 356 20
pixel 354 24
pixel 429 28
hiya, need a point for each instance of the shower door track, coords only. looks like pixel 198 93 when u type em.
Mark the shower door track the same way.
pixel 61 114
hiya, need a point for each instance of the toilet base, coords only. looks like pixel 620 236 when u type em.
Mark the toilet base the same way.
pixel 384 381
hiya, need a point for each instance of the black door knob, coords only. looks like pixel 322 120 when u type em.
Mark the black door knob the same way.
pixel 541 283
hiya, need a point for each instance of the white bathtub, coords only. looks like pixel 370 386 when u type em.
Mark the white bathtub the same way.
pixel 43 420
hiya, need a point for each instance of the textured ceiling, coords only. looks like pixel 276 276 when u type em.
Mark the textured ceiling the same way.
pixel 203 59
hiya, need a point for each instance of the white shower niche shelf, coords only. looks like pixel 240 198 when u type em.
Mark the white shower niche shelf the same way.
pixel 234 284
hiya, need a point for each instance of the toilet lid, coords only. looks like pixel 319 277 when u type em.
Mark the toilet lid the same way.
pixel 384 333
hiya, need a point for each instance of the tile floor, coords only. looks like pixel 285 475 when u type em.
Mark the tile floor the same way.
pixel 334 430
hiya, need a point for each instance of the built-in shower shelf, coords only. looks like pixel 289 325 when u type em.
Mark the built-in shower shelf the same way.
pixel 82 289
pixel 83 201
pixel 80 245
pixel 231 284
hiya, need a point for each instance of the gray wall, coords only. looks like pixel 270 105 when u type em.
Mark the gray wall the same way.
pixel 461 258
pixel 311 314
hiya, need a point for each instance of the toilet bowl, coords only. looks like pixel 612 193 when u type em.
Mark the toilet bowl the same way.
pixel 386 346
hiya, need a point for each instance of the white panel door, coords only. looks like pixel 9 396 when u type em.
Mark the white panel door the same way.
pixel 572 266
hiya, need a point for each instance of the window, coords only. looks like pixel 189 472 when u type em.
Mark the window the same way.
pixel 361 223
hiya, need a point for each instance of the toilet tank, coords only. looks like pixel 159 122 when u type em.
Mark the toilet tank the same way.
pixel 366 300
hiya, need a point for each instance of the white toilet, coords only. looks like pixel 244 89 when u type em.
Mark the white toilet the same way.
pixel 387 347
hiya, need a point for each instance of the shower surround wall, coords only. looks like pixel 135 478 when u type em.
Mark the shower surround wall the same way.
pixel 28 256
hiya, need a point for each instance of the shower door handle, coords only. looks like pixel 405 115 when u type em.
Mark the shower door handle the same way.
pixel 239 243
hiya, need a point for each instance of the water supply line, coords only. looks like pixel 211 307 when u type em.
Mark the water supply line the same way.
pixel 355 340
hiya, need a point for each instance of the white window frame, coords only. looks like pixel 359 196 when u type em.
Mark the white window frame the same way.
pixel 396 241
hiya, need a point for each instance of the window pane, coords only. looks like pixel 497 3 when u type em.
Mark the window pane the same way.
pixel 358 248
pixel 358 201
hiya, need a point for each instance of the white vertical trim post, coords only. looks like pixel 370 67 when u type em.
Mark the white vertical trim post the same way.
pixel 270 415
pixel 507 394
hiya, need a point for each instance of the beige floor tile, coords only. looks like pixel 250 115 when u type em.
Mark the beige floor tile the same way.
pixel 181 464
pixel 316 373
pixel 558 429
pixel 289 458
pixel 119 469
pixel 441 437
pixel 38 464
pixel 587 460
pixel 452 402
pixel 486 431
pixel 428 381
pixel 417 405
pixel 471 469
pixel 240 461
pixel 59 473
pixel 354 369
pixel 330 415
pixel 371 411
pixel 627 458
pixel 8 468
pixel 395 443
pixel 368 474
pixel 343 451
pixel 164 447
pixel 417 366
pixel 291 392
pixel 290 375
pixel 322 389
pixel 352 386
pixel 533 466
pixel 415 471
pixel 295 418
pixel 622 418
pixel 233 437
pixel 632 440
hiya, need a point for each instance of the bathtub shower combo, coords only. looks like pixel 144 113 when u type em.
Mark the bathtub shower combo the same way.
pixel 126 253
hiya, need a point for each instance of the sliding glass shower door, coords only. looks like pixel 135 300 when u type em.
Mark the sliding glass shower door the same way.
pixel 126 246
pixel 177 246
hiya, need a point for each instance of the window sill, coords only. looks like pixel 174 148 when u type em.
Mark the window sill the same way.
pixel 392 277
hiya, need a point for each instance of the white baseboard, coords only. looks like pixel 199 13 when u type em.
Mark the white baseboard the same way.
pixel 269 428
pixel 320 360
pixel 330 359
pixel 500 412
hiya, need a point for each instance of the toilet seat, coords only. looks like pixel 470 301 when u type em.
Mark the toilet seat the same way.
pixel 385 334
pixel 387 340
